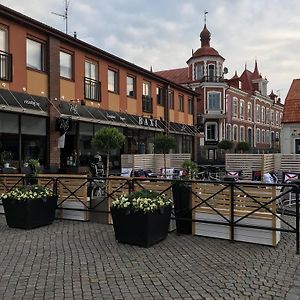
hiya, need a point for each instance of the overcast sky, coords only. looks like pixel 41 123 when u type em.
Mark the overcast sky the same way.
pixel 162 33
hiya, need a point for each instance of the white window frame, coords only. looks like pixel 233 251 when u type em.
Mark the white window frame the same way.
pixel 263 136
pixel 235 133
pixel 258 113
pixel 258 135
pixel 235 107
pixel 113 80
pixel 208 101
pixel 4 46
pixel 66 71
pixel 249 111
pixel 228 132
pixel 263 114
pixel 38 49
pixel 242 134
pixel 242 109
pixel 216 131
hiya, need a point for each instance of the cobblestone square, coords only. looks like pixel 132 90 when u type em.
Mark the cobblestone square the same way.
pixel 82 260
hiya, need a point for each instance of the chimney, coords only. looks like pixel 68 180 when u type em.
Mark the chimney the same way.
pixel 75 35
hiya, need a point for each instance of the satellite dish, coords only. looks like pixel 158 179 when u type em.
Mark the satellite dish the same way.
pixel 225 71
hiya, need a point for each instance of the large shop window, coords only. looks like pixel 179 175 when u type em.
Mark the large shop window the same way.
pixel 86 153
pixel 33 137
pixel 9 129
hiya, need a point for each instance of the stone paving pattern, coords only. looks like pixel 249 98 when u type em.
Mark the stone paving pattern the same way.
pixel 82 260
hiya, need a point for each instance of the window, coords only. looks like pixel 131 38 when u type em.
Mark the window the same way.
pixel 35 55
pixel 214 101
pixel 235 133
pixel 5 58
pixel 268 137
pixel 113 81
pixel 263 114
pixel 171 100
pixel 263 136
pixel 146 99
pixel 235 107
pixel 268 116
pixel 65 65
pixel 249 111
pixel 211 72
pixel 211 132
pixel 160 95
pixel 228 132
pixel 3 40
pixel 199 72
pixel 272 117
pixel 277 118
pixel 91 84
pixel 190 106
pixel 242 109
pixel 180 103
pixel 242 134
pixel 131 86
pixel 258 113
pixel 257 135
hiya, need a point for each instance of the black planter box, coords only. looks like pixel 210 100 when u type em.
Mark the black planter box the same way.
pixel 137 228
pixel 31 213
pixel 182 197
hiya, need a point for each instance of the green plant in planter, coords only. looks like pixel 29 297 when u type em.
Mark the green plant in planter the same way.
pixel 191 168
pixel 141 218
pixel 225 145
pixel 27 192
pixel 164 143
pixel 106 140
pixel 5 157
pixel 28 207
pixel 142 201
pixel 242 147
pixel 34 165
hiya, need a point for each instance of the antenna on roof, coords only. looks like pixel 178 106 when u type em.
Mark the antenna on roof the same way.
pixel 65 15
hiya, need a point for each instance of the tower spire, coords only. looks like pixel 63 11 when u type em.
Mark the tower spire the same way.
pixel 205 13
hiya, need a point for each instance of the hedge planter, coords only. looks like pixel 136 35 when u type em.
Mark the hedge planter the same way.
pixel 30 213
pixel 139 228
pixel 182 197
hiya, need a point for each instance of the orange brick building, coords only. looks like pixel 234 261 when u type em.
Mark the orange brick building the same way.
pixel 47 76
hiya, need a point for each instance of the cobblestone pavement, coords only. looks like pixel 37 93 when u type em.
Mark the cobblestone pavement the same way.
pixel 75 260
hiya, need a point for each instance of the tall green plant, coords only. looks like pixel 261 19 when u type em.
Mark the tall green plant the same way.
pixel 242 147
pixel 225 145
pixel 163 144
pixel 106 140
pixel 191 167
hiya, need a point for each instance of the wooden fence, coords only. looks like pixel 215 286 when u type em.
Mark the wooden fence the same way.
pixel 262 163
pixel 153 161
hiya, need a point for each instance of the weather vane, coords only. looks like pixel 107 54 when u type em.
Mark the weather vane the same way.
pixel 65 15
pixel 205 13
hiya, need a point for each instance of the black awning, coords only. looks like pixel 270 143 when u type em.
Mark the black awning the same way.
pixel 182 128
pixel 93 114
pixel 23 101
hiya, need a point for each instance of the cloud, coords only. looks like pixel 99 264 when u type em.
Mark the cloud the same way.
pixel 161 33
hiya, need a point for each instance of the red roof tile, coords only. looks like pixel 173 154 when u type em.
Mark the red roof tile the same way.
pixel 291 111
pixel 176 75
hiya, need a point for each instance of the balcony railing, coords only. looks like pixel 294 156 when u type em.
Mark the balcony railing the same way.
pixel 92 89
pixel 212 79
pixel 5 66
pixel 147 104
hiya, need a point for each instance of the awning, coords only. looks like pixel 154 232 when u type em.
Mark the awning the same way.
pixel 102 116
pixel 22 102
pixel 108 117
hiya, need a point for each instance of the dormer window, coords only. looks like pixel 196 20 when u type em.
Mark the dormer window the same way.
pixel 211 72
pixel 199 72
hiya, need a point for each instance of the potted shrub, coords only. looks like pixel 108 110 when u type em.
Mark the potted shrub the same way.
pixel 182 196
pixel 141 218
pixel 164 143
pixel 34 166
pixel 28 207
pixel 5 157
